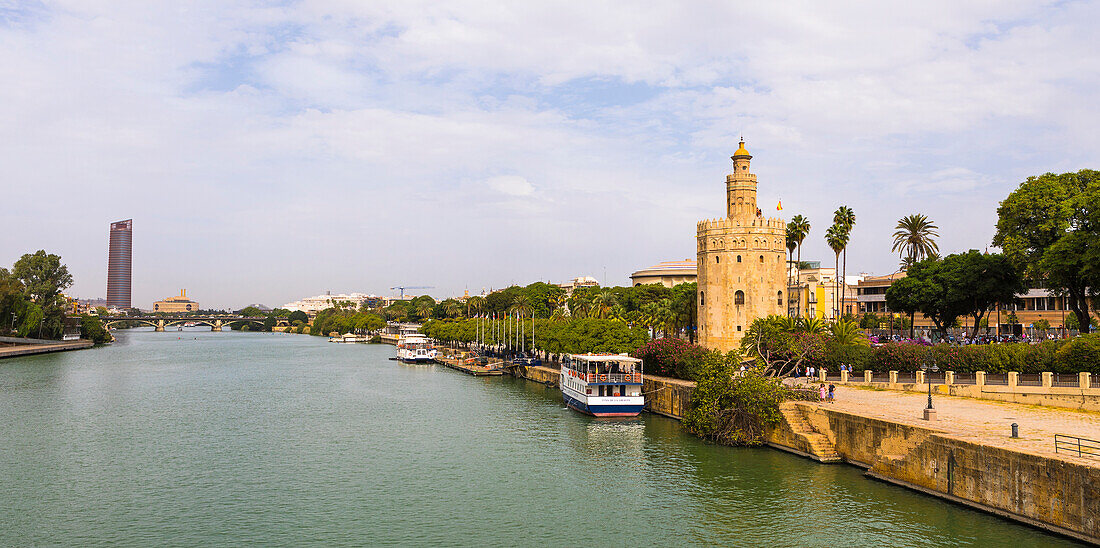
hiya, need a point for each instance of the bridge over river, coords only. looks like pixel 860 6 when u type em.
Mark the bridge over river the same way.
pixel 159 323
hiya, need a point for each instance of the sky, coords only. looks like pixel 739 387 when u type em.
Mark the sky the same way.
pixel 273 151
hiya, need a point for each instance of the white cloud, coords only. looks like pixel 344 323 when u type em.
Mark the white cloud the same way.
pixel 298 128
pixel 512 185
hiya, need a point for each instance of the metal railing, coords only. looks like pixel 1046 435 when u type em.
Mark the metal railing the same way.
pixel 966 378
pixel 1029 379
pixel 907 377
pixel 1074 445
pixel 999 379
pixel 1064 379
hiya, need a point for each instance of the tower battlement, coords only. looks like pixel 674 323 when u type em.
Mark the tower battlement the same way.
pixel 726 223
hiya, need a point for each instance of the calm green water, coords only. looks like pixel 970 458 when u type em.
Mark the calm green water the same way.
pixel 200 438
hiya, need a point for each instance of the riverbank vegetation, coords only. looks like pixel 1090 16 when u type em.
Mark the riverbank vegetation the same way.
pixel 31 303
pixel 564 336
pixel 732 406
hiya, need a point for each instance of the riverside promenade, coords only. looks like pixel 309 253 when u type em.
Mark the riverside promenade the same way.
pixel 981 421
pixel 11 347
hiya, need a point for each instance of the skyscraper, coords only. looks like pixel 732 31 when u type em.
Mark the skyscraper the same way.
pixel 118 264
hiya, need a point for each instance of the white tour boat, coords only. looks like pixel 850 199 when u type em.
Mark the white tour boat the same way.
pixel 415 348
pixel 603 385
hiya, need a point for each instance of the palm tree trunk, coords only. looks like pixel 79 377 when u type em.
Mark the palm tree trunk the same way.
pixel 844 282
pixel 798 281
pixel 836 290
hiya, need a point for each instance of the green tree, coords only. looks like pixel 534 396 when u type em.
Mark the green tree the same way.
pixel 43 276
pixel 792 244
pixel 958 285
pixel 298 316
pixel 982 280
pixel 91 328
pixel 914 239
pixel 846 218
pixel 12 299
pixel 251 312
pixel 837 238
pixel 732 408
pixel 801 227
pixel 1050 227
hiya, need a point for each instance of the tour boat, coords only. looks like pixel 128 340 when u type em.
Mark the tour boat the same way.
pixel 415 348
pixel 603 385
pixel 347 338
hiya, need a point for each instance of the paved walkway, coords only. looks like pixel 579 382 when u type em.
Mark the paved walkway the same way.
pixel 28 349
pixel 988 422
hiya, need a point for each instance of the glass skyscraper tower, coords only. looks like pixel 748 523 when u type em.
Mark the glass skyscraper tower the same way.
pixel 118 264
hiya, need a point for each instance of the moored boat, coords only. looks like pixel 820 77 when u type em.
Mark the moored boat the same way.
pixel 415 348
pixel 603 385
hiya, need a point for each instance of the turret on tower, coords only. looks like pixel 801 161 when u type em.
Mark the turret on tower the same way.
pixel 741 186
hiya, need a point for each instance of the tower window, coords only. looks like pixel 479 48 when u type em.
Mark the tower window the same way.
pixel 716 259
pixel 761 258
pixel 739 328
pixel 739 297
pixel 702 299
pixel 779 296
pixel 738 258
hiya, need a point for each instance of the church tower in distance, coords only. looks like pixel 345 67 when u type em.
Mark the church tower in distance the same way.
pixel 741 269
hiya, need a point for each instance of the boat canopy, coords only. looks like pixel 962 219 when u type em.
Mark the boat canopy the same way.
pixel 604 363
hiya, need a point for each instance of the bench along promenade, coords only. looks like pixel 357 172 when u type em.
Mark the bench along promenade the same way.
pixel 967 456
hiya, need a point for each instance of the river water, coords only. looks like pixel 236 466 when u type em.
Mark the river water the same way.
pixel 199 438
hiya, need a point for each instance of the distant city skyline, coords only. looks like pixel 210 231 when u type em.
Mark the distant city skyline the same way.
pixel 270 154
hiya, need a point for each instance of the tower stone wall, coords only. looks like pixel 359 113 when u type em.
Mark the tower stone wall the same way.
pixel 741 263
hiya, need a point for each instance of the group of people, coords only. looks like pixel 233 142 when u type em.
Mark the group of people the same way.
pixel 828 393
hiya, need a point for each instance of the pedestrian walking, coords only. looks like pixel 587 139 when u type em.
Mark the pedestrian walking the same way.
pixel 831 397
pixel 822 391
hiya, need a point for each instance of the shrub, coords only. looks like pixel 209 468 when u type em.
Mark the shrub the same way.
pixel 92 329
pixel 836 355
pixel 1079 354
pixel 671 358
pixel 731 408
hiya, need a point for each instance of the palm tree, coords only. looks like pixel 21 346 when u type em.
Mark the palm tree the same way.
pixel 801 230
pixel 837 238
pixel 845 217
pixel 603 303
pixel 792 243
pixel 914 239
pixel 848 333
pixel 812 325
pixel 451 308
pixel 424 310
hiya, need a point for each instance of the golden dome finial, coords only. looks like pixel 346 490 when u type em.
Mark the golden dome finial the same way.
pixel 741 152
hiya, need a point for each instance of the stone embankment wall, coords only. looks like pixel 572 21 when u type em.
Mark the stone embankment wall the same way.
pixel 1047 491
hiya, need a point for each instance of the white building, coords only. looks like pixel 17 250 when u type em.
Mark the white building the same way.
pixel 583 281
pixel 313 305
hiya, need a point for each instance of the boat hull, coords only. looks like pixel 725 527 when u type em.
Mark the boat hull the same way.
pixel 603 410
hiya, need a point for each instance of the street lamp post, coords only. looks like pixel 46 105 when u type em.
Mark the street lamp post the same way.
pixel 929 366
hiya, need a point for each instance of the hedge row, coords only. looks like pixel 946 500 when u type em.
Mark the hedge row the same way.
pixel 1080 354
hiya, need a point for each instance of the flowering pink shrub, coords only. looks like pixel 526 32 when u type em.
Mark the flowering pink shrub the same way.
pixel 671 358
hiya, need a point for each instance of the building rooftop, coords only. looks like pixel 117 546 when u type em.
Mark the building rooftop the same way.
pixel 686 265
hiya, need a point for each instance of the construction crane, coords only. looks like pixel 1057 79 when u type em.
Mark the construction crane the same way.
pixel 404 287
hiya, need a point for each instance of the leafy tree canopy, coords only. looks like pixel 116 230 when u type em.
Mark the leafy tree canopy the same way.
pixel 43 276
pixel 1050 228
